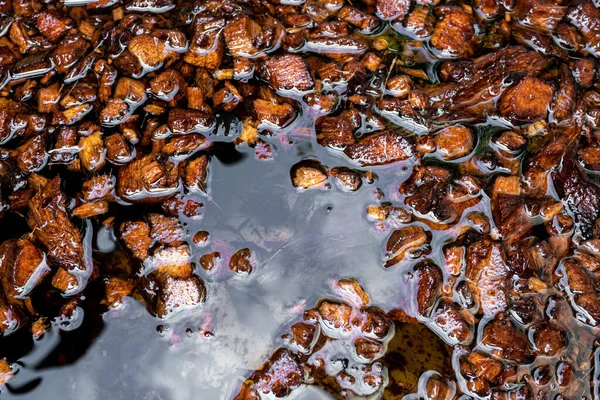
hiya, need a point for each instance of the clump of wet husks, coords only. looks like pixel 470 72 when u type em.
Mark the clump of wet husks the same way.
pixel 339 345
pixel 485 115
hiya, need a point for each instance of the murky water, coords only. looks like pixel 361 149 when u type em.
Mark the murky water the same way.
pixel 303 241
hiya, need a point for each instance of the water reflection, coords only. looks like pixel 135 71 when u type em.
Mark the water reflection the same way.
pixel 303 241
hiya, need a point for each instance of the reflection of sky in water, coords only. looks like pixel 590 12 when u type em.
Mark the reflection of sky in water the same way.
pixel 301 249
pixel 300 246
